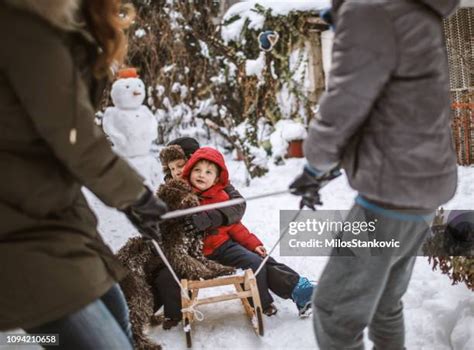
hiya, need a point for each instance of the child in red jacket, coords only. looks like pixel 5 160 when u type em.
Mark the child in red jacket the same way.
pixel 234 245
pixel 173 157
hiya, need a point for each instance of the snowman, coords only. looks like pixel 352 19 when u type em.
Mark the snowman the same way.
pixel 130 125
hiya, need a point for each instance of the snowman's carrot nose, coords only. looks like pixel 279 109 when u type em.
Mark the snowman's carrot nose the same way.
pixel 136 93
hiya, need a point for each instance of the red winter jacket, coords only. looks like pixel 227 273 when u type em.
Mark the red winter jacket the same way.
pixel 237 232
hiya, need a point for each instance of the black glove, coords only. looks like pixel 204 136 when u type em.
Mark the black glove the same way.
pixel 203 221
pixel 308 184
pixel 145 215
pixel 327 16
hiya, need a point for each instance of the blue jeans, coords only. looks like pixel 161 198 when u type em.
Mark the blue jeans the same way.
pixel 102 325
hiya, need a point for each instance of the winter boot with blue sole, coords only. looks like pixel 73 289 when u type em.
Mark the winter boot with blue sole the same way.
pixel 302 295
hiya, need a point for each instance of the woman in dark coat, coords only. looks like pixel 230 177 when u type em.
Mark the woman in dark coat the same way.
pixel 56 273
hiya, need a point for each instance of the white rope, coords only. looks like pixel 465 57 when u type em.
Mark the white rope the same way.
pixel 197 314
pixel 167 263
pixel 200 208
pixel 323 181
pixel 275 245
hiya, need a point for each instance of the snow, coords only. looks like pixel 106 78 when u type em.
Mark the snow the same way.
pixel 255 67
pixel 204 49
pixel 160 90
pixel 437 315
pixel 168 68
pixel 283 8
pixel 461 336
pixel 260 156
pixel 139 33
pixel 286 130
pixel 327 39
pixel 291 130
pixel 244 10
pixel 299 65
pixel 232 31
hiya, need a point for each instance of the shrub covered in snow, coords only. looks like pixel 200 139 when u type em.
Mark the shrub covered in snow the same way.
pixel 205 78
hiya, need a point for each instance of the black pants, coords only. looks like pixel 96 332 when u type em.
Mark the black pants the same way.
pixel 277 277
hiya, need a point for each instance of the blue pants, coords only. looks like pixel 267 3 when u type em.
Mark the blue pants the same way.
pixel 102 325
pixel 277 277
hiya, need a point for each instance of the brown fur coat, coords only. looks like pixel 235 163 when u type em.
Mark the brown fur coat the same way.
pixel 184 253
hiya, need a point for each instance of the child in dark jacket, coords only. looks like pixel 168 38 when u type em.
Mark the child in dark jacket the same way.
pixel 234 245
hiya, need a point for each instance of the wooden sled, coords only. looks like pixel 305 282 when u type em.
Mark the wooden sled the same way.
pixel 245 286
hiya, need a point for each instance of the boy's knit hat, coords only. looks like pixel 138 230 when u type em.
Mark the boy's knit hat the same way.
pixel 189 145
pixel 169 154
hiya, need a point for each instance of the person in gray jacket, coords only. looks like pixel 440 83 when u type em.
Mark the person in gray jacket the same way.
pixel 385 120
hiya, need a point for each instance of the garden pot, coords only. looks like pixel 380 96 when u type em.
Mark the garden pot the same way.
pixel 295 149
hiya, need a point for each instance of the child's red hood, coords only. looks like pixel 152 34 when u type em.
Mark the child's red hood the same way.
pixel 212 155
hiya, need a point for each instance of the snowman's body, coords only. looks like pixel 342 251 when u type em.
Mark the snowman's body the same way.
pixel 130 125
pixel 132 128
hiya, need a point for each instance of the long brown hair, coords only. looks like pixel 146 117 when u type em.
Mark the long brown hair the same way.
pixel 107 20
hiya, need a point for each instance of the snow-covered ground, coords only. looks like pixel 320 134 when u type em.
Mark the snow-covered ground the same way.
pixel 438 315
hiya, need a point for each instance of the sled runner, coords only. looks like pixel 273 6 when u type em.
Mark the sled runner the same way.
pixel 245 286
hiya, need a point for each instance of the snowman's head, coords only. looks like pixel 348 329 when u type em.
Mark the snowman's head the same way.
pixel 128 93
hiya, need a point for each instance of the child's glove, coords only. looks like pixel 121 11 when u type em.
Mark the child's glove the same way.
pixel 203 221
pixel 308 184
pixel 145 215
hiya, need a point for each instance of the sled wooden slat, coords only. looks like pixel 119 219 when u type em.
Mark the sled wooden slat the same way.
pixel 245 302
pixel 216 282
pixel 224 297
pixel 246 288
pixel 187 316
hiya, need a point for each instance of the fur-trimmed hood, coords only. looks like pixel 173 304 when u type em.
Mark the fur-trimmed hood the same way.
pixel 60 13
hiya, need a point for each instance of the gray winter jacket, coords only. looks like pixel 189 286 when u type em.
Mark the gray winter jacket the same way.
pixel 385 116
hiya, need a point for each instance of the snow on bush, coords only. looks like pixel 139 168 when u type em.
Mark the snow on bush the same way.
pixel 204 78
pixel 286 130
pixel 256 21
pixel 255 67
